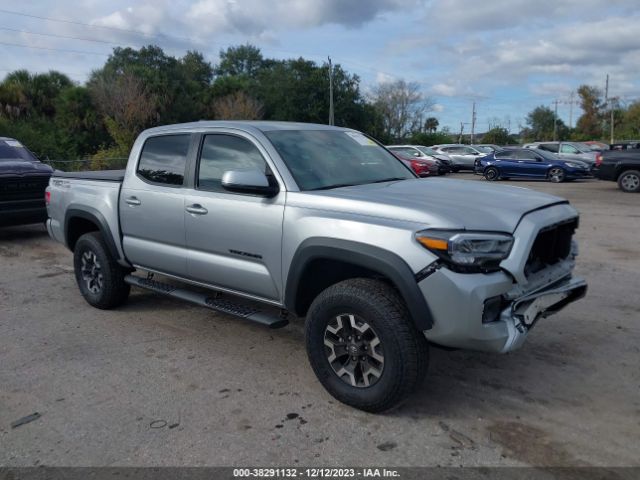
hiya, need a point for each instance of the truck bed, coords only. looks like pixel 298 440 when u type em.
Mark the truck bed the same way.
pixel 98 175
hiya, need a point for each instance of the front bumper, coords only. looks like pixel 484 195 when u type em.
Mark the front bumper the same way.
pixel 523 313
pixel 22 212
pixel 457 302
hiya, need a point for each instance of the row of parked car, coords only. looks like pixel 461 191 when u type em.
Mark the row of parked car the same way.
pixel 23 178
pixel 553 161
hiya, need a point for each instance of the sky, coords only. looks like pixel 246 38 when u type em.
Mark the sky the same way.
pixel 507 56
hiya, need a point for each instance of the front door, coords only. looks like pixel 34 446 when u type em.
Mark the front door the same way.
pixel 152 206
pixel 234 240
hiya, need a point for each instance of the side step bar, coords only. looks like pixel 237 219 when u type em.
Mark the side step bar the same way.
pixel 209 301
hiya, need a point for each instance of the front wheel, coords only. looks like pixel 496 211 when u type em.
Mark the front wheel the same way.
pixel 629 181
pixel 556 175
pixel 362 345
pixel 99 276
pixel 491 174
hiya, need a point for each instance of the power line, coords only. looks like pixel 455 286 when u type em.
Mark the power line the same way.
pixel 55 49
pixel 73 22
pixel 84 39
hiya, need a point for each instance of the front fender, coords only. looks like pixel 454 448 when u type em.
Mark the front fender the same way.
pixel 379 260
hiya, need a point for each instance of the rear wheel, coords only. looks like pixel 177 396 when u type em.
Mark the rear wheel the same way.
pixel 491 174
pixel 556 175
pixel 99 276
pixel 362 345
pixel 629 181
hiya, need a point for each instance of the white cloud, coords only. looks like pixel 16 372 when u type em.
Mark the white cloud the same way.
pixel 446 90
pixel 256 16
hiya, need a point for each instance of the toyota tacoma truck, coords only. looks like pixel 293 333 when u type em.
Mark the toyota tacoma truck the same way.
pixel 322 223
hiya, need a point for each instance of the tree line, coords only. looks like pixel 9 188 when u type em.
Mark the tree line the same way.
pixel 595 122
pixel 139 88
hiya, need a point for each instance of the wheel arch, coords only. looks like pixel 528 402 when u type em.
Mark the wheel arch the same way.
pixel 78 221
pixel 320 262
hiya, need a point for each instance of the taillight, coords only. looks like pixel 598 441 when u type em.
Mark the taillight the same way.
pixel 47 197
pixel 598 160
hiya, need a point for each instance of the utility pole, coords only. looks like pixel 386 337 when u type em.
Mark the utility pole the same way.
pixel 611 123
pixel 473 122
pixel 571 109
pixel 461 130
pixel 555 121
pixel 330 93
pixel 606 103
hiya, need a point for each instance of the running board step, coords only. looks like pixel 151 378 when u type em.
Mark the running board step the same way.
pixel 209 301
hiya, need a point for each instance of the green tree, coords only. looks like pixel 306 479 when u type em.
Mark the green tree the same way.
pixel 431 124
pixel 589 125
pixel 244 60
pixel 540 125
pixel 498 136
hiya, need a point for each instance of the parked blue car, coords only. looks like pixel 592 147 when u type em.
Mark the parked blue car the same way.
pixel 529 163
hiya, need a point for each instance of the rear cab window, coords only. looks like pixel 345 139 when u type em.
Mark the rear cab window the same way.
pixel 163 159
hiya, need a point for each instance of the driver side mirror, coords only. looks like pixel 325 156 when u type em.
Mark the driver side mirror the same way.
pixel 252 182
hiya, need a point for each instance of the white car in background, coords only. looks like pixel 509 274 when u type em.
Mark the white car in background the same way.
pixel 463 157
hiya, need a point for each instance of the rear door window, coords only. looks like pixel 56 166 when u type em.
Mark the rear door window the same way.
pixel 568 149
pixel 549 147
pixel 164 158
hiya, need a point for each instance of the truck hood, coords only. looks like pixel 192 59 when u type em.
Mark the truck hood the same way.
pixel 23 167
pixel 437 203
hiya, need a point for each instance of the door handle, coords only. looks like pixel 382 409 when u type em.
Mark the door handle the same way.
pixel 520 161
pixel 132 201
pixel 197 209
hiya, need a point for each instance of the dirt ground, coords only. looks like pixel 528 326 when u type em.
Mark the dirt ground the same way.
pixel 160 382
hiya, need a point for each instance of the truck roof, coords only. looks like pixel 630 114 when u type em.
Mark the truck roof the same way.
pixel 248 125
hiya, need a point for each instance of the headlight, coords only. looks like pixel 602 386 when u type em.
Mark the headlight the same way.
pixel 574 165
pixel 467 251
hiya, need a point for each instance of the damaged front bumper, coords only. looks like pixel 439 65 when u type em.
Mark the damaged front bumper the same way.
pixel 523 313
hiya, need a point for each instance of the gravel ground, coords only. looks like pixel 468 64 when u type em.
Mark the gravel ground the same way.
pixel 159 382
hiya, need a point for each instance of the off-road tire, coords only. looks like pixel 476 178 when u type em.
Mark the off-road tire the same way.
pixel 629 181
pixel 113 291
pixel 404 346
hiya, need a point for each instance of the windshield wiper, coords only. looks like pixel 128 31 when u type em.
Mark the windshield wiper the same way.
pixel 390 179
pixel 339 185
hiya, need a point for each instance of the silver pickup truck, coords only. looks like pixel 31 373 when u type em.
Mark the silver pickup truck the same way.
pixel 324 223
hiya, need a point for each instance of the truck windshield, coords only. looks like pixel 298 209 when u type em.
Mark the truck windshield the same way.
pixel 9 151
pixel 325 159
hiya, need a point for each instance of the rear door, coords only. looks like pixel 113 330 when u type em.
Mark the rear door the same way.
pixel 152 205
pixel 507 163
pixel 234 240
pixel 529 164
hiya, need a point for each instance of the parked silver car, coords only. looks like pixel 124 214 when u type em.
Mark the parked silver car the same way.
pixel 567 150
pixel 462 156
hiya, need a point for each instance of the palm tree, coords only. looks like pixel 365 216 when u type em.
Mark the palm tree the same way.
pixel 431 124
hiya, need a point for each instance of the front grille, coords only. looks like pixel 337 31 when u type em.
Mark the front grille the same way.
pixel 552 245
pixel 23 188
